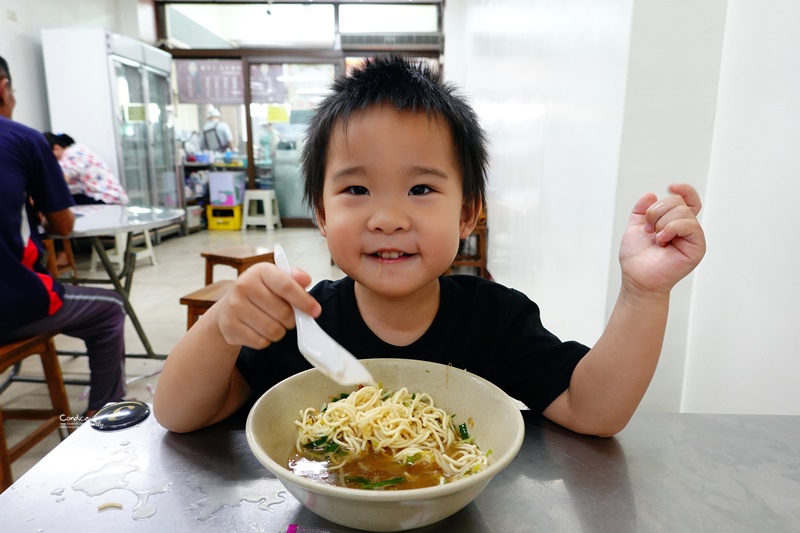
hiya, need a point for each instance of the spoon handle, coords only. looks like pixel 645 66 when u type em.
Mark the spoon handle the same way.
pixel 319 348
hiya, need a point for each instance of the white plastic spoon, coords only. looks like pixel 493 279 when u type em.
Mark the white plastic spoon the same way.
pixel 319 348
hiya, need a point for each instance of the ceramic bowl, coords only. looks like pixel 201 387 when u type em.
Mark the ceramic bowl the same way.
pixel 498 426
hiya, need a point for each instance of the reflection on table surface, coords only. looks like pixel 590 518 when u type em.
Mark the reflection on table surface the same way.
pixel 665 472
pixel 92 220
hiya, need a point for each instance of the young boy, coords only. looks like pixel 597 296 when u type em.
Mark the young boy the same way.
pixel 395 169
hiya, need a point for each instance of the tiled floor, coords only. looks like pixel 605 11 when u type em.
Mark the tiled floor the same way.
pixel 155 296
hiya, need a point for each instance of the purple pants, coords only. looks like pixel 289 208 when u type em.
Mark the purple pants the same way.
pixel 97 317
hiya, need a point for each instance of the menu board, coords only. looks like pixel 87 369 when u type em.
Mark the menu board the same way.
pixel 264 85
pixel 219 82
pixel 210 81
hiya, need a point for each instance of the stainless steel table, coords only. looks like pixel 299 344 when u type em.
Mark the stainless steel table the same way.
pixel 665 472
pixel 95 221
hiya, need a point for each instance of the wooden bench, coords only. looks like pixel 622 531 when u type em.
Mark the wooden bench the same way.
pixel 240 257
pixel 13 354
pixel 200 301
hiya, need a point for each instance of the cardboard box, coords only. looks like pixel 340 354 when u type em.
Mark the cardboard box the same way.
pixel 226 188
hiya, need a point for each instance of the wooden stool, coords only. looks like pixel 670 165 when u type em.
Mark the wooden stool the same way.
pixel 200 301
pixel 52 259
pixel 12 354
pixel 240 257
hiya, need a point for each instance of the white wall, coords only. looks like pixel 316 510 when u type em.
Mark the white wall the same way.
pixel 744 332
pixel 670 105
pixel 21 22
pixel 548 80
pixel 589 105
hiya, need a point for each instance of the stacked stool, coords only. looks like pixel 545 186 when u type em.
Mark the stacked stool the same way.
pixel 260 208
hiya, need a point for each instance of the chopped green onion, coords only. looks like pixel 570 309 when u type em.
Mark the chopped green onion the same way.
pixel 369 485
pixel 317 443
pixel 332 447
pixel 358 479
pixel 378 484
pixel 413 458
pixel 462 430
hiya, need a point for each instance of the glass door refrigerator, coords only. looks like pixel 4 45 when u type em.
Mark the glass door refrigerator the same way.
pixel 112 94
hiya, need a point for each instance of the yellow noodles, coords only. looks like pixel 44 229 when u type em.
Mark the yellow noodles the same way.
pixel 406 425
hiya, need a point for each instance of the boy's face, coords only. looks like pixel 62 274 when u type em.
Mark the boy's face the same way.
pixel 393 200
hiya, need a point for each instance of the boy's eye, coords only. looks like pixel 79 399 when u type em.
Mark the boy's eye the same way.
pixel 419 189
pixel 357 190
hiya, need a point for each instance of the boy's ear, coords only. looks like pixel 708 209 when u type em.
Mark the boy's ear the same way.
pixel 470 213
pixel 320 216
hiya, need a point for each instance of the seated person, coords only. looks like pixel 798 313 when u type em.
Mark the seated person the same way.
pixel 32 185
pixel 90 179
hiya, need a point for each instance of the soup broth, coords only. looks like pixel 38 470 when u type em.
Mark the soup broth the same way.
pixel 371 471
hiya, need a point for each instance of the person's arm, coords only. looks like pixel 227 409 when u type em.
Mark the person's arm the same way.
pixel 48 193
pixel 662 244
pixel 59 222
pixel 200 384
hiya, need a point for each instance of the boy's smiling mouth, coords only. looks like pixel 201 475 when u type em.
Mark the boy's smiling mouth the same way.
pixel 389 255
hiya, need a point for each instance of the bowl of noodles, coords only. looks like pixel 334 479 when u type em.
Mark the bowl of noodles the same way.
pixel 411 451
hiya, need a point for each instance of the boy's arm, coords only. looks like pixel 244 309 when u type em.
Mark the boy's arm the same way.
pixel 200 384
pixel 662 244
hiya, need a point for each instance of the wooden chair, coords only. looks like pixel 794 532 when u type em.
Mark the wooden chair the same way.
pixel 200 301
pixel 52 259
pixel 476 257
pixel 240 257
pixel 13 354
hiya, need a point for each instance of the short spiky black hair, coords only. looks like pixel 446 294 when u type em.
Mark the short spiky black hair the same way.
pixel 406 86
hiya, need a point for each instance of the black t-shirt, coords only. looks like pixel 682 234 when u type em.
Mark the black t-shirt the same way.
pixel 481 326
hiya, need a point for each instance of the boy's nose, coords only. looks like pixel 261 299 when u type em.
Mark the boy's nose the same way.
pixel 389 218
